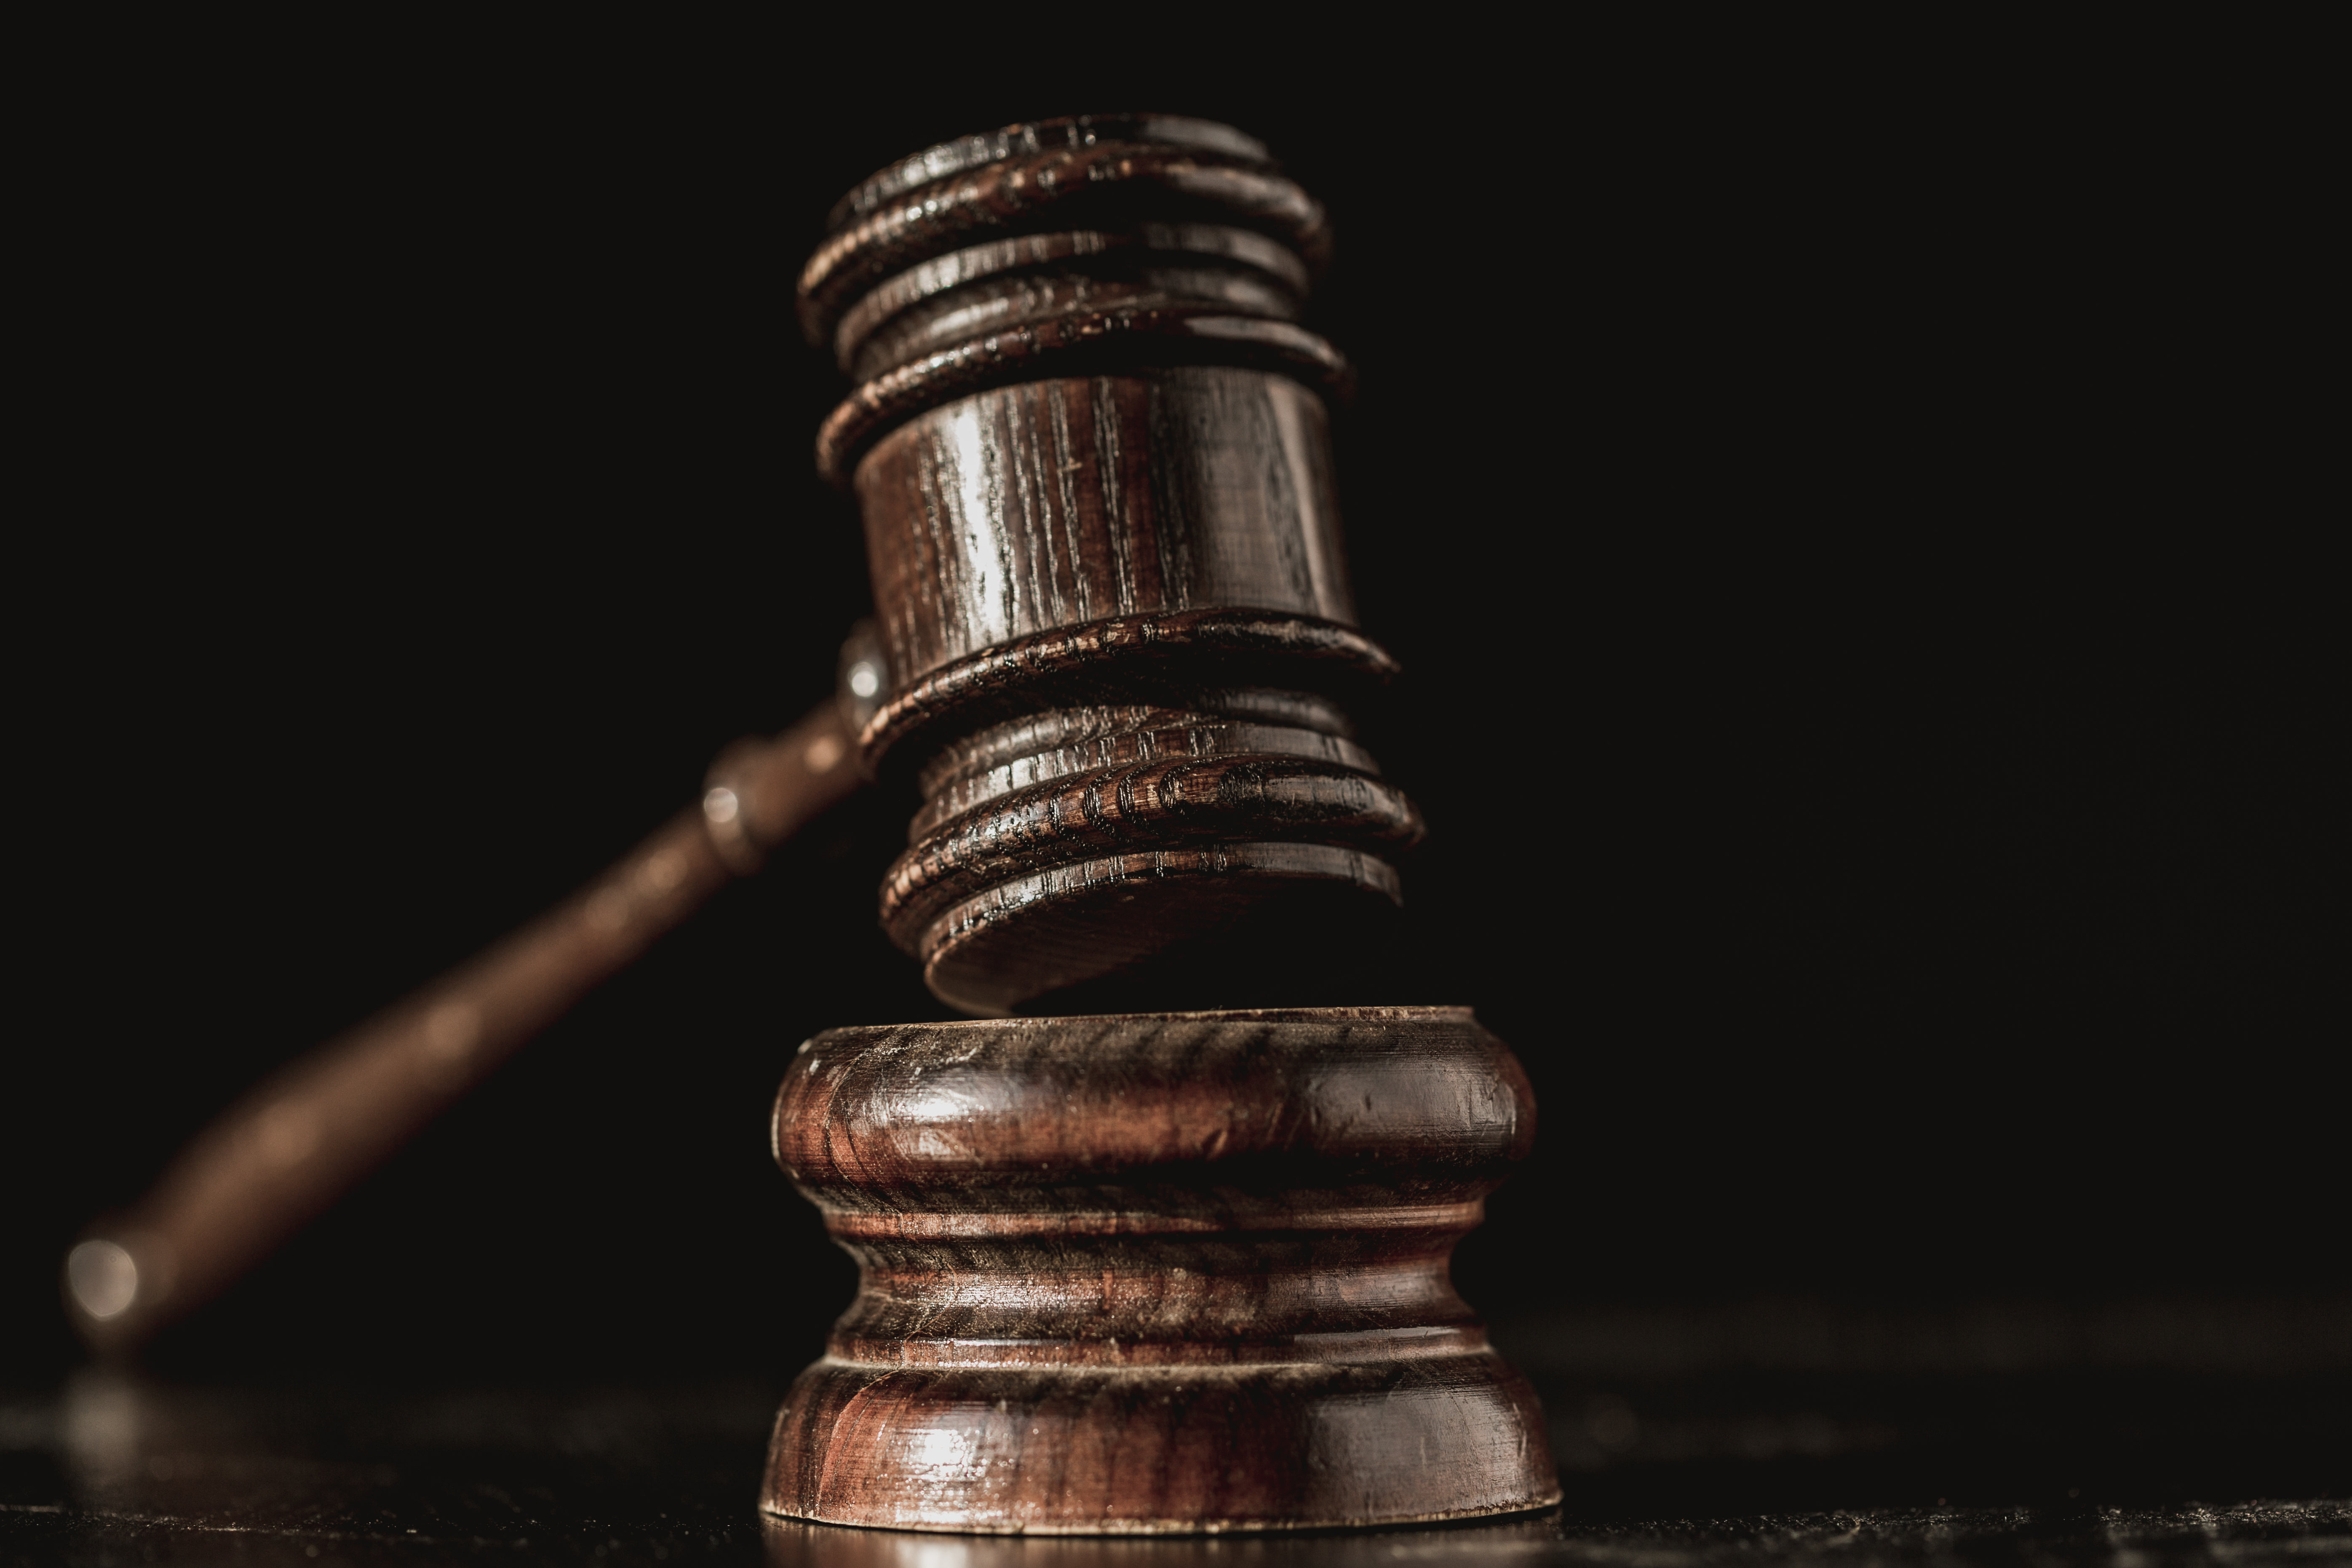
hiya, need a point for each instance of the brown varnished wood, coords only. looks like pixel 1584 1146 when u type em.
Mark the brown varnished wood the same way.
pixel 1208 263
pixel 996 306
pixel 1161 658
pixel 1090 336
pixel 1206 819
pixel 1077 184
pixel 1148 1271
pixel 1154 1272
pixel 297 1141
pixel 1090 442
pixel 1160 514
pixel 1066 501
pixel 1062 742
pixel 966 153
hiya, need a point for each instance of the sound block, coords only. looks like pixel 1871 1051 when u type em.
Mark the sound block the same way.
pixel 1152 1273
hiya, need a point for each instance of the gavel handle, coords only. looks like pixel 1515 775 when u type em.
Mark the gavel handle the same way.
pixel 283 1153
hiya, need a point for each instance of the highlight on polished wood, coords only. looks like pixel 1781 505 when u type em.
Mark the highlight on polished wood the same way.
pixel 1146 1273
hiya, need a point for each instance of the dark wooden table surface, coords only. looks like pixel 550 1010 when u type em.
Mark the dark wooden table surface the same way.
pixel 1667 1459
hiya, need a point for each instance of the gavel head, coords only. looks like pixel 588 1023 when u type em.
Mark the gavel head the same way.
pixel 1091 446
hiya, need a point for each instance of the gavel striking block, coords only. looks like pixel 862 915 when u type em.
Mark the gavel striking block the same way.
pixel 1174 1270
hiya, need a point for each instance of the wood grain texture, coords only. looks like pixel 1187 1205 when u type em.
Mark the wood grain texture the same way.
pixel 1139 522
pixel 1141 1272
pixel 1091 443
pixel 1036 747
pixel 1090 335
pixel 1040 886
pixel 1110 184
pixel 1056 502
pixel 1086 254
pixel 1177 659
pixel 966 153
pixel 1155 1272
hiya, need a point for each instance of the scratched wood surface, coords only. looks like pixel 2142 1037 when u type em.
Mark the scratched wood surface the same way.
pixel 1148 1273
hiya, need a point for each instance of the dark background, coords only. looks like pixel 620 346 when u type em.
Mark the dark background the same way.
pixel 1841 528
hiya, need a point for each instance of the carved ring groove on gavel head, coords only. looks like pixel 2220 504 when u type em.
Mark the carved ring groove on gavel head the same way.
pixel 1090 444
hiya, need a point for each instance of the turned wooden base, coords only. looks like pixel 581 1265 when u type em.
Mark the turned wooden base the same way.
pixel 1157 1272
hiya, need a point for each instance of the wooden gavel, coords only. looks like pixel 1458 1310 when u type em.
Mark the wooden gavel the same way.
pixel 1126 1265
pixel 1137 1271
pixel 298 1140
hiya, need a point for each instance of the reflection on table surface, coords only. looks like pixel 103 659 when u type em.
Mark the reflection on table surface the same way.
pixel 1667 1465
